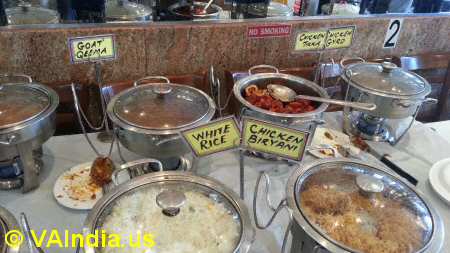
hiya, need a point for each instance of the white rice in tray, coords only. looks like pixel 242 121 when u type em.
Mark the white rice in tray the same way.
pixel 202 226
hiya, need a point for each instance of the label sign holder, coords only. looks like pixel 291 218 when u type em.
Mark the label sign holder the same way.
pixel 98 47
pixel 291 148
pixel 393 33
pixel 200 137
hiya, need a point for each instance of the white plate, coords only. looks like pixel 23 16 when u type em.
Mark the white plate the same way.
pixel 440 179
pixel 339 138
pixel 76 176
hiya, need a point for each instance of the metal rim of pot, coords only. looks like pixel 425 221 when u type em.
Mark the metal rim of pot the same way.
pixel 134 128
pixel 7 223
pixel 145 16
pixel 247 234
pixel 173 9
pixel 326 241
pixel 434 243
pixel 241 84
pixel 50 108
pixel 347 77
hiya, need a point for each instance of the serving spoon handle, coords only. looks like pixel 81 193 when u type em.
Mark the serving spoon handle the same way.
pixel 356 105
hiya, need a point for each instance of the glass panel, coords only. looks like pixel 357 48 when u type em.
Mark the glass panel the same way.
pixel 96 11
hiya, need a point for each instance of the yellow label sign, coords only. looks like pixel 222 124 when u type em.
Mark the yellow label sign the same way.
pixel 339 37
pixel 310 40
pixel 92 48
pixel 268 138
pixel 214 137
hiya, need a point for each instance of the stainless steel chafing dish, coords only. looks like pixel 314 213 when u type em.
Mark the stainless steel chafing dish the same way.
pixel 177 206
pixel 149 117
pixel 26 14
pixel 301 121
pixel 348 206
pixel 398 95
pixel 27 120
pixel 124 10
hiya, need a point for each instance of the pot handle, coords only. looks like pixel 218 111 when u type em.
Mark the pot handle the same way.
pixel 343 62
pixel 303 121
pixel 133 169
pixel 139 81
pixel 250 70
pixel 29 79
pixel 276 210
pixel 430 101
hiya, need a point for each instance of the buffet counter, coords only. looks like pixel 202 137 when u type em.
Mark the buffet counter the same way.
pixel 415 154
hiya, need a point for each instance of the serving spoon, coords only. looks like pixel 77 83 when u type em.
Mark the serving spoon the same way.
pixel 286 94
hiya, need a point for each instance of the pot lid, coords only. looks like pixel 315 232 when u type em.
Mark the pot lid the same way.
pixel 26 14
pixel 386 78
pixel 20 103
pixel 162 106
pixel 361 208
pixel 126 10
pixel 183 216
pixel 276 9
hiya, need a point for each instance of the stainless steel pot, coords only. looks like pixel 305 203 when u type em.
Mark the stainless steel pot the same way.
pixel 25 126
pixel 172 198
pixel 302 121
pixel 7 223
pixel 347 206
pixel 184 11
pixel 398 94
pixel 26 14
pixel 124 10
pixel 149 117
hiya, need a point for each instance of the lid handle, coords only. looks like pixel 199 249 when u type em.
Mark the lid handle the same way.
pixel 171 201
pixel 250 70
pixel 369 185
pixel 388 67
pixel 160 88
pixel 139 81
pixel 24 6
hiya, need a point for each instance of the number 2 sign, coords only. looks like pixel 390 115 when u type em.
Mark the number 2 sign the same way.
pixel 393 33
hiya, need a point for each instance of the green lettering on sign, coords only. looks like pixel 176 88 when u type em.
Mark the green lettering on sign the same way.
pixel 92 48
pixel 216 136
pixel 273 139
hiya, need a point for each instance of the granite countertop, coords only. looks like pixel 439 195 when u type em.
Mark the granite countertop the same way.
pixel 63 152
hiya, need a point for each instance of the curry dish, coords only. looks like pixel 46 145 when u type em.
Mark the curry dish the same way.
pixel 369 225
pixel 11 113
pixel 262 99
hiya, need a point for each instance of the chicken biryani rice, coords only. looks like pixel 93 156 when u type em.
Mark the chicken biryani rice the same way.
pixel 370 225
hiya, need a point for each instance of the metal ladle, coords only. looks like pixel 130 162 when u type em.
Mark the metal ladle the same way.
pixel 286 94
